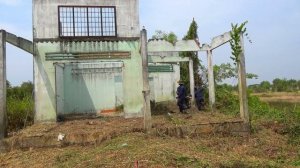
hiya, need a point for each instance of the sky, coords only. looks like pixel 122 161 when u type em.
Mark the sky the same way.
pixel 273 27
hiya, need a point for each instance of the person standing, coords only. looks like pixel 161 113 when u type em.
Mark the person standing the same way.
pixel 181 95
pixel 199 96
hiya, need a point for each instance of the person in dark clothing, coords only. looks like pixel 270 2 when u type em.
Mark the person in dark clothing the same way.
pixel 199 96
pixel 181 95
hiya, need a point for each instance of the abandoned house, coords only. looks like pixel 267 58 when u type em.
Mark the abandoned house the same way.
pixel 90 57
pixel 86 58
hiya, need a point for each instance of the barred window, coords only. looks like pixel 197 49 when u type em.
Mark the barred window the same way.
pixel 78 21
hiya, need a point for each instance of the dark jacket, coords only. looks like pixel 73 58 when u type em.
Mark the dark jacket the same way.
pixel 199 94
pixel 181 92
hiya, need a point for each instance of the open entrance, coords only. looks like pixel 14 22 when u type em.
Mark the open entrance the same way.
pixel 19 89
pixel 22 44
pixel 88 88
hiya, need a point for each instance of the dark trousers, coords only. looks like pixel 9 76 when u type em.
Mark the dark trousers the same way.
pixel 181 104
pixel 200 104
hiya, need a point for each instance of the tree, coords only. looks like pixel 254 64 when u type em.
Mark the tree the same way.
pixel 8 84
pixel 192 34
pixel 235 34
pixel 19 92
pixel 265 86
pixel 292 85
pixel 279 85
pixel 170 37
pixel 226 71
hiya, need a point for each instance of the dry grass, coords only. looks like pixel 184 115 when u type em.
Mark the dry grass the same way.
pixel 291 97
pixel 264 148
pixel 168 117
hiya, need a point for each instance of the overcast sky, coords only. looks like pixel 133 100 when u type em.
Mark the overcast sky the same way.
pixel 273 28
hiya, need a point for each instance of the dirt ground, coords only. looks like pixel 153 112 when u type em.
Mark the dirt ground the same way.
pixel 165 115
pixel 265 147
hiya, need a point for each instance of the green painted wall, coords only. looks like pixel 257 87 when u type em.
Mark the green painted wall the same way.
pixel 89 90
pixel 44 76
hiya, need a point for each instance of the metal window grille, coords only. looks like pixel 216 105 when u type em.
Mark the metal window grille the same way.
pixel 79 21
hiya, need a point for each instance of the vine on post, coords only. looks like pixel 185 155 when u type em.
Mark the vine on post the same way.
pixel 235 34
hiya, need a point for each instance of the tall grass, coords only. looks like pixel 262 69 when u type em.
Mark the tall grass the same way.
pixel 19 113
pixel 284 113
pixel 227 102
pixel 20 106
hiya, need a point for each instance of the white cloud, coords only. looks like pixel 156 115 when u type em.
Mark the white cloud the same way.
pixel 11 2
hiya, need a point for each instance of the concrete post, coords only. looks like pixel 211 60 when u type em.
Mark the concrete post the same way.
pixel 192 80
pixel 211 82
pixel 3 115
pixel 243 85
pixel 146 87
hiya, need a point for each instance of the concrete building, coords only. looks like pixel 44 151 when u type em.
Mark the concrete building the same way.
pixel 86 58
pixel 91 58
pixel 164 67
pixel 163 80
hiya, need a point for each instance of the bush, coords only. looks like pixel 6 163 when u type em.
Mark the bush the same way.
pixel 20 106
pixel 226 101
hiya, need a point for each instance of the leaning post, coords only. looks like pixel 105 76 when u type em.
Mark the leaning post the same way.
pixel 146 87
pixel 3 115
pixel 243 84
pixel 192 81
pixel 211 82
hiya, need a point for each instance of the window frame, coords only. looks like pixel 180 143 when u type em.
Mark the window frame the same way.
pixel 87 19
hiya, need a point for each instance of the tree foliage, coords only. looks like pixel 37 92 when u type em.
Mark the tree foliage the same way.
pixel 170 37
pixel 223 71
pixel 236 32
pixel 226 71
pixel 192 34
pixel 277 85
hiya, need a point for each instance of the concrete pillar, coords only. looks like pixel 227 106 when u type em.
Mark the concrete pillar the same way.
pixel 243 85
pixel 146 87
pixel 192 80
pixel 211 82
pixel 3 115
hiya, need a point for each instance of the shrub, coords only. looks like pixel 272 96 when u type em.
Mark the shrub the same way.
pixel 20 106
pixel 226 101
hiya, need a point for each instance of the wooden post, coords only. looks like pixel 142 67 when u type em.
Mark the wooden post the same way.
pixel 243 85
pixel 3 115
pixel 192 81
pixel 146 87
pixel 211 82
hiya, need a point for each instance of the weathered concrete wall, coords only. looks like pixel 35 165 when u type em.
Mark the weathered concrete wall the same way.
pixel 179 46
pixel 44 74
pixel 97 87
pixel 45 16
pixel 164 84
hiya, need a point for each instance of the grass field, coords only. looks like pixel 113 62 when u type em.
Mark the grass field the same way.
pixel 271 144
pixel 286 102
pixel 281 97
